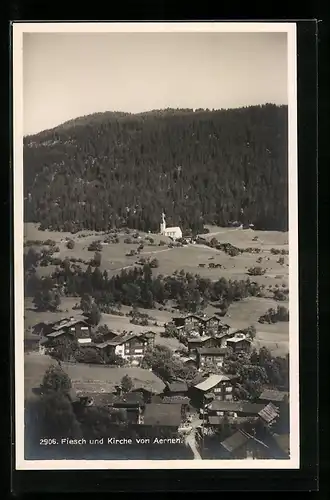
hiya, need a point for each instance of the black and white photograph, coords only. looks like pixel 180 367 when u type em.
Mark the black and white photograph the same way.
pixel 156 245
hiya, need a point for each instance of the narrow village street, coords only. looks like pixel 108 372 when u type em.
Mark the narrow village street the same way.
pixel 192 443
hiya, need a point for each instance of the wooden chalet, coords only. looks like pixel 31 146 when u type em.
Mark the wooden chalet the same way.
pixel 201 323
pixel 214 387
pixel 131 347
pixel 239 343
pixel 195 343
pixel 75 328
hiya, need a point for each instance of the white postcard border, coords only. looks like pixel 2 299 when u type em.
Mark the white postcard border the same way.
pixel 17 36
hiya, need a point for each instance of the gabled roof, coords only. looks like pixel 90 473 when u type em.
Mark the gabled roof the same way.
pixel 198 339
pixel 56 333
pixel 162 414
pixel 67 322
pixel 214 317
pixel 218 405
pixel 273 395
pixel 211 382
pixel 212 351
pixel 239 339
pixel 251 408
pixel 121 339
pixel 269 413
pixel 177 387
pixel 183 400
pixel 235 441
pixel 236 406
pixel 185 359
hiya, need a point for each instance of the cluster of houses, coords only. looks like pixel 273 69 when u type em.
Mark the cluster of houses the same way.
pixel 205 405
pixel 129 346
pixel 174 410
pixel 208 339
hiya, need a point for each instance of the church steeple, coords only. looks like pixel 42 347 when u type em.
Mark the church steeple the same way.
pixel 163 224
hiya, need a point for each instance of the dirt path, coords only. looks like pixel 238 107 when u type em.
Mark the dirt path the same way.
pixel 191 442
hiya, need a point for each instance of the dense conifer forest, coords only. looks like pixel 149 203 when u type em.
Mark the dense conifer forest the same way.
pixel 119 169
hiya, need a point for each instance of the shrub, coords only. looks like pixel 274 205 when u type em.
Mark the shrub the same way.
pixel 89 355
pixel 70 244
pixel 256 271
pixel 95 246
pixel 96 261
pixel 272 316
pixel 126 383
pixel 56 380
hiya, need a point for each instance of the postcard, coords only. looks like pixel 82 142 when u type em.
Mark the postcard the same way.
pixel 156 245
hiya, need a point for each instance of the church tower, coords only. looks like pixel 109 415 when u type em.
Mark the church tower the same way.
pixel 163 224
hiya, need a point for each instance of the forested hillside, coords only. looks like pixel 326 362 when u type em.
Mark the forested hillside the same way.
pixel 201 167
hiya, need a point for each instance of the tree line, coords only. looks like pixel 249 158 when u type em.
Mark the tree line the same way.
pixel 207 167
pixel 134 287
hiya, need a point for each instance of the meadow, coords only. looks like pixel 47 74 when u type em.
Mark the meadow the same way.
pixel 240 315
pixel 87 378
pixel 189 257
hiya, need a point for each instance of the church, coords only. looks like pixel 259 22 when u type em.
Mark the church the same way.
pixel 172 232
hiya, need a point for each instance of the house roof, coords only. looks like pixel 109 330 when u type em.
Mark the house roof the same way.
pixel 212 351
pixel 239 339
pixel 198 340
pixel 102 345
pixel 211 382
pixel 235 441
pixel 236 406
pixel 121 339
pixel 176 400
pixel 251 408
pixel 67 322
pixel 185 359
pixel 177 387
pixel 214 317
pixel 56 333
pixel 218 405
pixel 273 395
pixel 269 413
pixel 162 414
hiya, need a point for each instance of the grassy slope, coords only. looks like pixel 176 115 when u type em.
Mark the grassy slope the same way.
pixel 241 314
pixel 89 378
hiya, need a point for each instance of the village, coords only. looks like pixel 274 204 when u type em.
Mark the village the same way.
pixel 195 410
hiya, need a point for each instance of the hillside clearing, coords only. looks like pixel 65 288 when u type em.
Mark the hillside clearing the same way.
pixel 87 378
